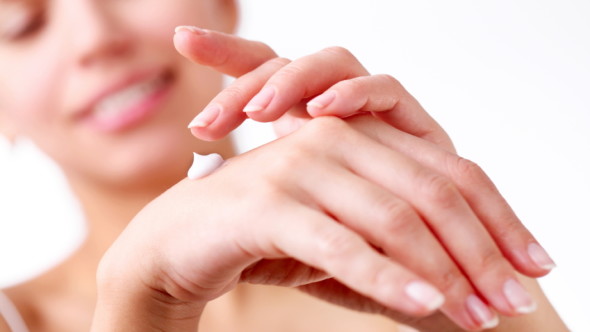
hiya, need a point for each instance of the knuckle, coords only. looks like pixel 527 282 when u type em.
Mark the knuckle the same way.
pixel 271 194
pixel 397 217
pixel 326 129
pixel 263 46
pixel 440 190
pixel 290 72
pixel 490 259
pixel 278 62
pixel 290 161
pixel 334 245
pixel 350 86
pixel 389 80
pixel 339 51
pixel 467 170
pixel 233 92
pixel 389 100
pixel 380 277
pixel 449 279
pixel 510 227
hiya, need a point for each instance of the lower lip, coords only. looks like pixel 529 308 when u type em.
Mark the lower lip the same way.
pixel 133 115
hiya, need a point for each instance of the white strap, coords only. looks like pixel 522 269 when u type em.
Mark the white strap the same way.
pixel 11 315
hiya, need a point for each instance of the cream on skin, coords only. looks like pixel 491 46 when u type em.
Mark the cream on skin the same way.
pixel 204 165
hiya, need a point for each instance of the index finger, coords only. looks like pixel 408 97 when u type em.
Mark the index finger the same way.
pixel 223 52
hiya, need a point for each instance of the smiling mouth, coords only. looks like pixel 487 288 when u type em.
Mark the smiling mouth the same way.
pixel 130 105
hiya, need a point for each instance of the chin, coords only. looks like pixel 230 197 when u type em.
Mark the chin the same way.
pixel 153 168
pixel 153 162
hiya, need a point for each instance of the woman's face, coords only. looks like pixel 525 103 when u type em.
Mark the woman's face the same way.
pixel 98 86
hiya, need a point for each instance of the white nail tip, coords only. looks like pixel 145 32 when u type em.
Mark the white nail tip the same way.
pixel 253 109
pixel 204 165
pixel 425 295
pixel 197 123
pixel 182 27
pixel 527 309
pixel 540 257
pixel 491 323
pixel 436 303
pixel 315 105
pixel 188 28
pixel 548 267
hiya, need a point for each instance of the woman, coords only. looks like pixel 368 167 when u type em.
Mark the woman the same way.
pixel 109 108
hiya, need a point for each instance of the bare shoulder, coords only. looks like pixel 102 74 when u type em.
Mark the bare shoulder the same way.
pixel 54 302
pixel 12 307
pixel 20 297
pixel 3 326
pixel 30 298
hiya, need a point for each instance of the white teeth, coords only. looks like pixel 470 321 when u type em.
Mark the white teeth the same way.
pixel 118 102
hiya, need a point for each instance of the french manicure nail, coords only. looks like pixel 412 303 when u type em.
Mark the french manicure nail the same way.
pixel 540 257
pixel 518 297
pixel 206 117
pixel 425 295
pixel 190 28
pixel 322 100
pixel 261 100
pixel 481 313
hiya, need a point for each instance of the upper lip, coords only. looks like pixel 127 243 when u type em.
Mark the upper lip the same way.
pixel 121 84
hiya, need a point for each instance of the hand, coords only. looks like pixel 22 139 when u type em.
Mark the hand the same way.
pixel 337 71
pixel 267 87
pixel 236 56
pixel 278 226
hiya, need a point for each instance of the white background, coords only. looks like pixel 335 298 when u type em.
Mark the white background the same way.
pixel 509 80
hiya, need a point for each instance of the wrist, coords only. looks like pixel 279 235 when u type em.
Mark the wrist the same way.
pixel 127 301
pixel 135 311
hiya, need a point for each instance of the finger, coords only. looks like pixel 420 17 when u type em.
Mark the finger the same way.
pixel 350 299
pixel 233 56
pixel 447 213
pixel 322 243
pixel 294 119
pixel 225 53
pixel 387 98
pixel 224 113
pixel 237 56
pixel 393 225
pixel 282 272
pixel 301 79
pixel 515 241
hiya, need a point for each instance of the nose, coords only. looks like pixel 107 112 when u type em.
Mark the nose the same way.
pixel 97 34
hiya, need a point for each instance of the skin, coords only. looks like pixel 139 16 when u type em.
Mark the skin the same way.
pixel 116 43
pixel 157 145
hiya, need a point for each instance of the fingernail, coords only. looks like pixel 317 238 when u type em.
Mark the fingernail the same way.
pixel 425 295
pixel 540 257
pixel 518 297
pixel 206 117
pixel 481 313
pixel 322 100
pixel 261 100
pixel 190 28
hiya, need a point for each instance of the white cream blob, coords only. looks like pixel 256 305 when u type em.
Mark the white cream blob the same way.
pixel 204 165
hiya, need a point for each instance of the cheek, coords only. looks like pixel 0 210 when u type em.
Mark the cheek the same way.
pixel 153 26
pixel 30 89
pixel 159 18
